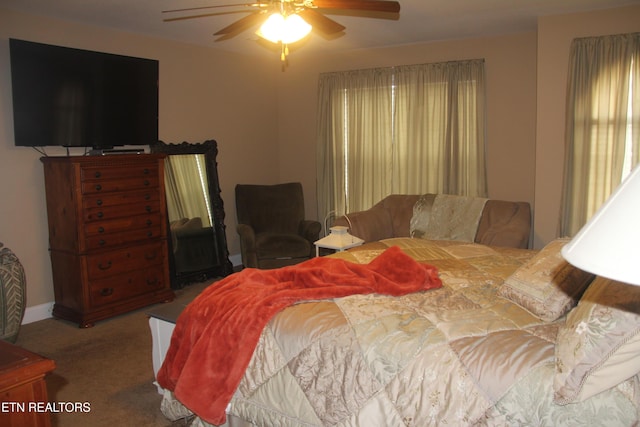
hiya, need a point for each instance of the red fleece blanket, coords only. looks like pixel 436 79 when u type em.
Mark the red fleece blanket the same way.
pixel 215 336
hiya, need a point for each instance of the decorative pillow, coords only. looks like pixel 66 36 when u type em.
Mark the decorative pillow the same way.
pixel 421 215
pixel 599 346
pixel 547 286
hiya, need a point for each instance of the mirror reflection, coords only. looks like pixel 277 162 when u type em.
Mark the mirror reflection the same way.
pixel 188 207
pixel 195 211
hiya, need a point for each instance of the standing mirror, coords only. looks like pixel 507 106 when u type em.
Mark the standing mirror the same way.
pixel 197 242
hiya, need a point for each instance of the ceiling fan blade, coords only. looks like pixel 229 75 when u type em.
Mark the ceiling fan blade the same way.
pixel 241 24
pixel 370 5
pixel 191 9
pixel 203 15
pixel 320 22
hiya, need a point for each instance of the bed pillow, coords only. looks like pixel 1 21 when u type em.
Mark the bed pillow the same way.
pixel 599 346
pixel 547 286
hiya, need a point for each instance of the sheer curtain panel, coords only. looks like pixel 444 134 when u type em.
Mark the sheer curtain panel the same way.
pixel 410 129
pixel 603 123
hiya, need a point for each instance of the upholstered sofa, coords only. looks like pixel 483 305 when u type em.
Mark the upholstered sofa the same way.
pixel 501 223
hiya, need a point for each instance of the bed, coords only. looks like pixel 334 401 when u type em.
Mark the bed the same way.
pixel 511 337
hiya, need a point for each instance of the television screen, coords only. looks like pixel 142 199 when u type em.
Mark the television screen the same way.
pixel 78 98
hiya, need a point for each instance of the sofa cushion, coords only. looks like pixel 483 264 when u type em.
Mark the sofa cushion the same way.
pixel 388 218
pixel 275 245
pixel 504 223
pixel 400 208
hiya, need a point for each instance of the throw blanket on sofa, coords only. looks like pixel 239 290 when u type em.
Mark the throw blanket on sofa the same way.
pixel 449 218
pixel 215 336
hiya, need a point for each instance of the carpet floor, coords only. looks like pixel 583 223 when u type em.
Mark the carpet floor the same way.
pixel 108 366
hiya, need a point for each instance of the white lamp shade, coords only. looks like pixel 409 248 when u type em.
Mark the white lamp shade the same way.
pixel 285 29
pixel 609 243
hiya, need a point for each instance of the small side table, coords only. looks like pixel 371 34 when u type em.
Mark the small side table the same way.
pixel 21 383
pixel 339 239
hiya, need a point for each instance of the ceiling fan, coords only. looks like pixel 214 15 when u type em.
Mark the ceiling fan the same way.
pixel 277 17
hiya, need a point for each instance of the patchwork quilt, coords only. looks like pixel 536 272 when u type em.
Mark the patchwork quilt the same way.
pixel 454 356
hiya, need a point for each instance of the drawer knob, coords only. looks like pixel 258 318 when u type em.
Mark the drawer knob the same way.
pixel 105 266
pixel 105 292
pixel 149 233
pixel 100 229
pixel 100 214
pixel 147 208
pixel 147 196
pixel 98 187
pixel 146 182
pixel 98 174
pixel 99 202
pixel 146 171
pixel 149 222
pixel 102 242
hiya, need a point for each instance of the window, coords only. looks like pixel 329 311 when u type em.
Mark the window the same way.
pixel 603 123
pixel 411 129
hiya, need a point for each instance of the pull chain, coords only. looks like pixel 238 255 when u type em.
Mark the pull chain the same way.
pixel 284 52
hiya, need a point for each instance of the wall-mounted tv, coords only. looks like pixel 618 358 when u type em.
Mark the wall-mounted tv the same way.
pixel 79 98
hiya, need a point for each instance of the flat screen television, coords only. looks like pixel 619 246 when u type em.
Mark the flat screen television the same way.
pixel 79 98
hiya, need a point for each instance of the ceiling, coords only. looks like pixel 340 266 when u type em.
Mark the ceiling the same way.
pixel 419 20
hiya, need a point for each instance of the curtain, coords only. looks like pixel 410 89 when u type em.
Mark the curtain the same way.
pixel 186 188
pixel 410 129
pixel 603 123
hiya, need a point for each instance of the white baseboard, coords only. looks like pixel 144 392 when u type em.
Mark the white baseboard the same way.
pixel 43 311
pixel 37 312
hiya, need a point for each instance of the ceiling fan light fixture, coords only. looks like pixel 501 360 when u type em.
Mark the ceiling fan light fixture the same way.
pixel 285 29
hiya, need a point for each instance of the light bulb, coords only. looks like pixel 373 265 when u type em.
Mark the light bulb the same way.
pixel 285 29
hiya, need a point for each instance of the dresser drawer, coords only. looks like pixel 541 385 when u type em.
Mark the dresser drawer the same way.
pixel 122 287
pixel 111 263
pixel 125 237
pixel 100 172
pixel 112 212
pixel 121 184
pixel 123 198
pixel 129 222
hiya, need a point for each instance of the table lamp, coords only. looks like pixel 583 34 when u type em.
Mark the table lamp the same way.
pixel 339 239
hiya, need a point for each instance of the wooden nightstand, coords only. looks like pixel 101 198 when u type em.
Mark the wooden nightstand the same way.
pixel 21 382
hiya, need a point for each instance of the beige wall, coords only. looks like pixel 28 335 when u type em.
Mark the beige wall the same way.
pixel 264 119
pixel 204 94
pixel 555 34
pixel 526 89
pixel 510 63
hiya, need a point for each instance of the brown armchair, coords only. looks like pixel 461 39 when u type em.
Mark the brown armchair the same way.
pixel 273 231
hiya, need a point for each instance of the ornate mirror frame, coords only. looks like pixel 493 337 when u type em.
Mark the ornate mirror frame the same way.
pixel 221 266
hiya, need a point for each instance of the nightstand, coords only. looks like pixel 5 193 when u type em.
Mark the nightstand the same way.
pixel 21 383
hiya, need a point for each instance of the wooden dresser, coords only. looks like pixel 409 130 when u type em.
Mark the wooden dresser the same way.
pixel 107 234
